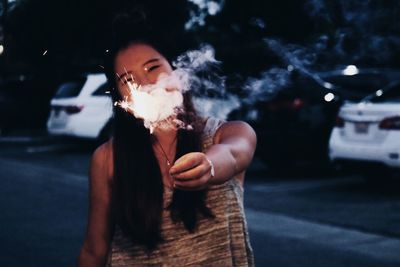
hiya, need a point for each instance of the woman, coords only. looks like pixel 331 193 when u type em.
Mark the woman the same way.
pixel 170 198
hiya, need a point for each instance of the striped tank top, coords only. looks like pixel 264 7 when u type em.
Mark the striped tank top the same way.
pixel 220 241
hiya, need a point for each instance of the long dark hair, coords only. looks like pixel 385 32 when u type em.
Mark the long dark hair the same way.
pixel 138 187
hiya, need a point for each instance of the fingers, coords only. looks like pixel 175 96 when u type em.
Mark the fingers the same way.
pixel 192 174
pixel 186 162
pixel 196 184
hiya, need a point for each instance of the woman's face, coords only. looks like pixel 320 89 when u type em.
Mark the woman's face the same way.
pixel 140 64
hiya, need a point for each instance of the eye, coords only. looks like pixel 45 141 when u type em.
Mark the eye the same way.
pixel 153 68
pixel 128 80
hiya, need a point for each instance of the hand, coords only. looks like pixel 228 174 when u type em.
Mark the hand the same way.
pixel 191 171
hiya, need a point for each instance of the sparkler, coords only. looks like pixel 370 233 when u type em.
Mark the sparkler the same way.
pixel 160 104
pixel 156 104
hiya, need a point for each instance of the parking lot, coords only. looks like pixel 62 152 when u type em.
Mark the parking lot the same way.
pixel 307 218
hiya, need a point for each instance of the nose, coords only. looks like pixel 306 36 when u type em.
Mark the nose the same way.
pixel 141 79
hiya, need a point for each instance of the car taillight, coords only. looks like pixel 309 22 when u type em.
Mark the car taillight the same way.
pixel 295 104
pixel 73 109
pixel 339 123
pixel 391 123
pixel 298 104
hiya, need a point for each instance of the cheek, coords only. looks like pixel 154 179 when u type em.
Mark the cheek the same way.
pixel 123 91
pixel 155 76
pixel 162 72
pixel 152 79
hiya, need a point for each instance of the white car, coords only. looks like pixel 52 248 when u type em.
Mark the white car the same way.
pixel 81 108
pixel 369 131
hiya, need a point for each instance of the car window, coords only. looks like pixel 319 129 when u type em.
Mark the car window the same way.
pixel 102 90
pixel 70 89
pixel 391 94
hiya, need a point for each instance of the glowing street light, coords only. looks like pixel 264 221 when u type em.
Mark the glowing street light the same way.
pixel 329 97
pixel 350 70
pixel 1 49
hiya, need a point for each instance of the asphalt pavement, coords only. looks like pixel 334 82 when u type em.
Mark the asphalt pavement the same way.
pixel 298 220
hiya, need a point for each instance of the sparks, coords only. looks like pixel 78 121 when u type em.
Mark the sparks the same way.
pixel 157 106
pixel 124 104
pixel 134 86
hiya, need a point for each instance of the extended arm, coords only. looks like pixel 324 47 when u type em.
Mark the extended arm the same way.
pixel 231 154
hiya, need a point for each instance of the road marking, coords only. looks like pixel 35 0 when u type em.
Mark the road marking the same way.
pixel 282 226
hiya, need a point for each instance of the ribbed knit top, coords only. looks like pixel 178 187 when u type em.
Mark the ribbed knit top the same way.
pixel 220 241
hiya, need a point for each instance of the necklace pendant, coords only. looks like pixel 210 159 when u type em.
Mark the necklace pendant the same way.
pixel 168 163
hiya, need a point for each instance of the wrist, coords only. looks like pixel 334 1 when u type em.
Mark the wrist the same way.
pixel 212 168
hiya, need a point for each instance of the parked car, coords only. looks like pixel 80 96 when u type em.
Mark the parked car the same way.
pixel 293 125
pixel 82 108
pixel 369 131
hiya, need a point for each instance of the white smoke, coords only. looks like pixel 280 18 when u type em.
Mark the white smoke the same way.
pixel 196 59
pixel 218 108
pixel 190 65
pixel 266 86
pixel 203 8
pixel 160 104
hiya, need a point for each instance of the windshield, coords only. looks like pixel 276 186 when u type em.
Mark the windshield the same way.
pixel 389 95
pixel 102 90
pixel 70 89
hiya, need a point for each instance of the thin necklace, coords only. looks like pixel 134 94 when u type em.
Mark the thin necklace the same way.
pixel 163 151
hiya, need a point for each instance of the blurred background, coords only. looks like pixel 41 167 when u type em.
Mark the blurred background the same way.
pixel 319 81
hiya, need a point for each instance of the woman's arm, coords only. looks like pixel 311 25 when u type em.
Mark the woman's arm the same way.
pixel 100 223
pixel 231 154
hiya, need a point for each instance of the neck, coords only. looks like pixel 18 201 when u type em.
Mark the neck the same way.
pixel 165 136
pixel 164 146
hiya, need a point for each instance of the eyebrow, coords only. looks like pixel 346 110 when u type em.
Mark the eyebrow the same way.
pixel 150 61
pixel 120 76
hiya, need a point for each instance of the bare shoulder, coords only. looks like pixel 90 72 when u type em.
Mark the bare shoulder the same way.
pixel 102 159
pixel 104 149
pixel 233 129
